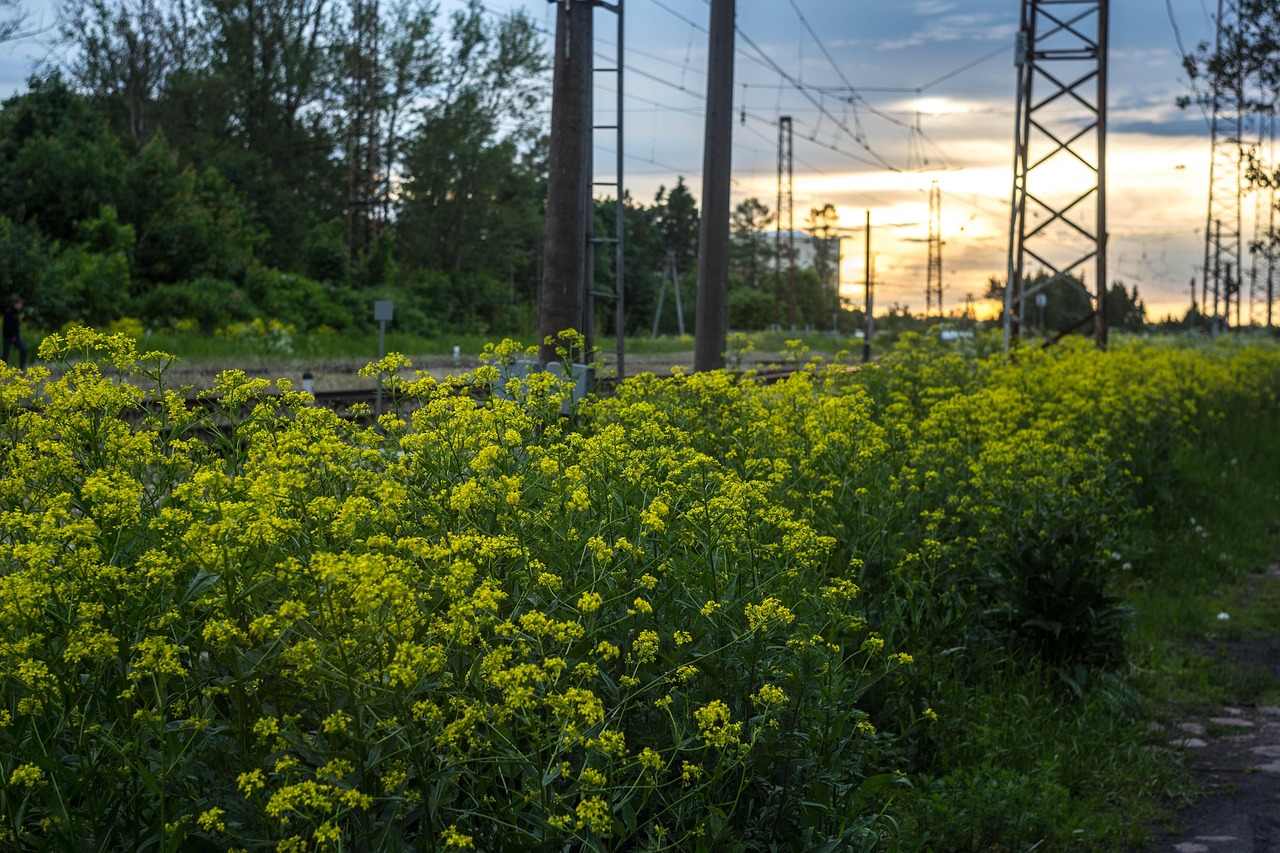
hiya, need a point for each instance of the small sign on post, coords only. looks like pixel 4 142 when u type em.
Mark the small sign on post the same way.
pixel 383 312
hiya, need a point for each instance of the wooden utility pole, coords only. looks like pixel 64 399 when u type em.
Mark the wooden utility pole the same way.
pixel 711 327
pixel 568 176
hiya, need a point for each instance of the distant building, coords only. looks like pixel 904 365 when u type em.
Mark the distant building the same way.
pixel 806 247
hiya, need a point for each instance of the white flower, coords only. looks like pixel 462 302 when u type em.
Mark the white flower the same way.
pixel 1223 616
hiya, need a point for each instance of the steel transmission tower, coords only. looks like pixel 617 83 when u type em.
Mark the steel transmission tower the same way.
pixel 1262 253
pixel 1222 225
pixel 785 242
pixel 933 286
pixel 1061 132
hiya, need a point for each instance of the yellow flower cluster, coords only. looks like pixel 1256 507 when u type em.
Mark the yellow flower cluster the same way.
pixel 485 625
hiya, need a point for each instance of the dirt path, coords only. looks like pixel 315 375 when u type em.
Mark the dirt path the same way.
pixel 1233 752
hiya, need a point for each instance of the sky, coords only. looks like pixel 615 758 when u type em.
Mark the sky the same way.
pixel 885 98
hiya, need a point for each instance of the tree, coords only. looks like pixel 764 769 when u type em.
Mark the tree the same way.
pixel 1246 60
pixel 471 200
pixel 12 17
pixel 676 217
pixel 237 137
pixel 750 252
pixel 59 163
pixel 125 51
pixel 1125 310
pixel 820 225
pixel 644 260
pixel 1067 303
pixel 189 224
pixel 411 64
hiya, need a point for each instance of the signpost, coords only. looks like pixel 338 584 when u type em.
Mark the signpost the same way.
pixel 383 312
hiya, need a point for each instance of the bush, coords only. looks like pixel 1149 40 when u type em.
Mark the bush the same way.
pixel 210 302
pixel 299 301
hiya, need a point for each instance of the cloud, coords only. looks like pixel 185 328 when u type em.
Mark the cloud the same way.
pixel 952 28
pixel 1182 127
pixel 932 7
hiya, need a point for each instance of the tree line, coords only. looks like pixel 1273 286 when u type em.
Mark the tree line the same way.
pixel 202 162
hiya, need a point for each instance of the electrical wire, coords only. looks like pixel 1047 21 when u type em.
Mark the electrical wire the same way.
pixel 800 88
pixel 1182 52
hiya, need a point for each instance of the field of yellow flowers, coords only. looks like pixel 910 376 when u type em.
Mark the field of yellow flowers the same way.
pixel 700 614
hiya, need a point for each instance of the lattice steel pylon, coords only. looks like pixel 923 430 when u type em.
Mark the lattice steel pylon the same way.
pixel 933 283
pixel 1222 225
pixel 1262 254
pixel 784 247
pixel 1062 48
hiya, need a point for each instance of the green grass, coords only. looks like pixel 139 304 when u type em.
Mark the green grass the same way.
pixel 1198 572
pixel 1080 766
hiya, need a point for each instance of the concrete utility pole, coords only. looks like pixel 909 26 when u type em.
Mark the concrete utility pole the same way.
pixel 568 176
pixel 711 326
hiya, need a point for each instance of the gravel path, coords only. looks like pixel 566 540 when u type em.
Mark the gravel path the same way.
pixel 1234 753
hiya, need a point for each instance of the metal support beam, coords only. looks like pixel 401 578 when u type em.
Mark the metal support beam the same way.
pixel 1262 254
pixel 784 244
pixel 1061 130
pixel 1226 133
pixel 613 128
pixel 933 286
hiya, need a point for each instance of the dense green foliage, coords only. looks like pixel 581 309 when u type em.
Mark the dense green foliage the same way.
pixel 194 157
pixel 875 609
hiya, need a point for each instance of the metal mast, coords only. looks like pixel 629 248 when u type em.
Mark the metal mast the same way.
pixel 1261 252
pixel 1222 225
pixel 1271 231
pixel 785 243
pixel 933 287
pixel 1061 131
pixel 612 125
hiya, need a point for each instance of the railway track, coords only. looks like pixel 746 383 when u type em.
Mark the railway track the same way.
pixel 347 402
pixel 343 400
